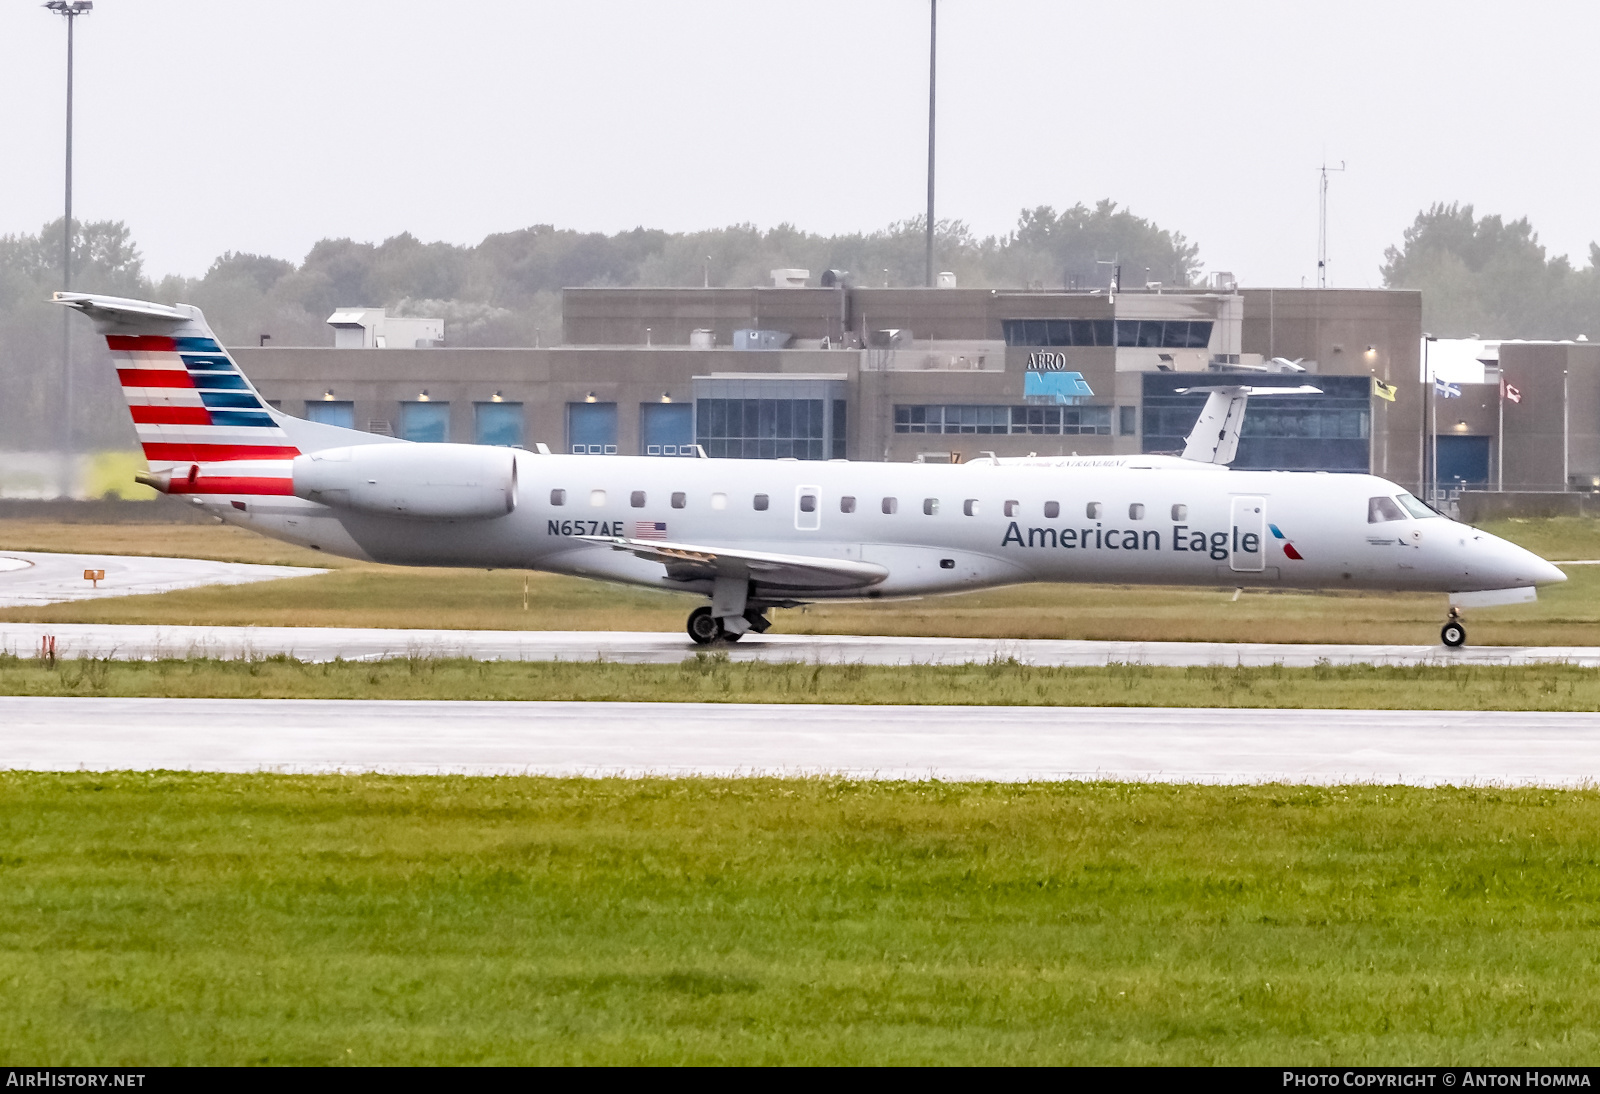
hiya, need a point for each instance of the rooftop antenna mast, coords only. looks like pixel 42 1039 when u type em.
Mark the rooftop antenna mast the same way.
pixel 1322 225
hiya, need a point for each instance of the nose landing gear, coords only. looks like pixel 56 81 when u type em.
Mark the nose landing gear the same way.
pixel 1454 633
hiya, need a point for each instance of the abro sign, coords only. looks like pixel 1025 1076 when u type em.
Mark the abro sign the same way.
pixel 1045 361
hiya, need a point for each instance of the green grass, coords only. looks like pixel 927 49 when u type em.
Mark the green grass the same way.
pixel 712 678
pixel 364 595
pixel 192 919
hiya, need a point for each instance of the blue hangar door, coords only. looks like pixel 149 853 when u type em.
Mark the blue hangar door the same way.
pixel 1463 461
pixel 666 429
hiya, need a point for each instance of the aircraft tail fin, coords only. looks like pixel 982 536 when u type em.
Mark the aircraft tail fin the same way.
pixel 190 402
pixel 1215 436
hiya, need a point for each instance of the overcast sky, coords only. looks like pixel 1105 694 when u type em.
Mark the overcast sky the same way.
pixel 264 125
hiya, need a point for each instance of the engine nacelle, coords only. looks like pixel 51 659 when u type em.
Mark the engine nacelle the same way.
pixel 425 481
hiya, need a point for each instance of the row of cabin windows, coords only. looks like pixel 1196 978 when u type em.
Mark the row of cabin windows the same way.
pixel 930 506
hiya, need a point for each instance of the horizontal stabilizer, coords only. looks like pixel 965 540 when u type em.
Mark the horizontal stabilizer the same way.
pixel 691 562
pixel 119 311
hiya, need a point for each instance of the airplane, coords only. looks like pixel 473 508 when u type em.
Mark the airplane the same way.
pixel 753 535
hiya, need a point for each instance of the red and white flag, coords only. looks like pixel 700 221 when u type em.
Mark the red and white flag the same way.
pixel 1509 393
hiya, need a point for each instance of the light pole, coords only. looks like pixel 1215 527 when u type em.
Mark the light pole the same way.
pixel 1422 438
pixel 71 9
pixel 933 57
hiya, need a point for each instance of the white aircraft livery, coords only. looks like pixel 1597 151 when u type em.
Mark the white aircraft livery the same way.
pixel 751 535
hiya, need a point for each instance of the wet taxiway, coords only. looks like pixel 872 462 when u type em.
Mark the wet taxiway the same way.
pixel 998 743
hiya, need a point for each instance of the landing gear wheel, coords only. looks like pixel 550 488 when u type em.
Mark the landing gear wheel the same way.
pixel 1453 634
pixel 703 628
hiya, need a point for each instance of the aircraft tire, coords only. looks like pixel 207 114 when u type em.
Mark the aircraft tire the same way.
pixel 1453 635
pixel 702 627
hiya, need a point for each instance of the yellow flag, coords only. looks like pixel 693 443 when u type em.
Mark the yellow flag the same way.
pixel 1383 390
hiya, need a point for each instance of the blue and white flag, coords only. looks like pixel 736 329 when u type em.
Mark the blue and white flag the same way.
pixel 1449 391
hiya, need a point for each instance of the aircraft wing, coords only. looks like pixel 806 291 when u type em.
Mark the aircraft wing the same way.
pixel 689 562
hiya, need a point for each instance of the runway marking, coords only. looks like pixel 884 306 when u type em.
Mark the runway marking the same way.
pixel 142 642
pixel 1163 744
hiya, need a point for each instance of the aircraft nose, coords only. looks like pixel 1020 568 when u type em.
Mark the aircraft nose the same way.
pixel 1520 566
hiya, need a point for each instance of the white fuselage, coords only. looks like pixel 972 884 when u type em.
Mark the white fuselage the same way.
pixel 936 528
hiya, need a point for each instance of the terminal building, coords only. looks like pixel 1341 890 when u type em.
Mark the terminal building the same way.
pixel 832 371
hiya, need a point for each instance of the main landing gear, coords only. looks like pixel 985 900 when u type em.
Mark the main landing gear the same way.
pixel 1454 633
pixel 706 628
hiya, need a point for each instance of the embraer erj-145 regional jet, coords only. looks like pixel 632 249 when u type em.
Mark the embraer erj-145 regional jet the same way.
pixel 757 534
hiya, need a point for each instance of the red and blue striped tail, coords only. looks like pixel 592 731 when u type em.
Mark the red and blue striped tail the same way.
pixel 191 404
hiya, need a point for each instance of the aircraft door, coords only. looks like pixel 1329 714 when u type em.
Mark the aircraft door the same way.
pixel 1248 551
pixel 807 508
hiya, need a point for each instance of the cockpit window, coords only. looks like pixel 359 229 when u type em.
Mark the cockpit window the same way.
pixel 1415 507
pixel 1382 509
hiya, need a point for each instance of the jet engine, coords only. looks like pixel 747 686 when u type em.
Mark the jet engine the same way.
pixel 424 481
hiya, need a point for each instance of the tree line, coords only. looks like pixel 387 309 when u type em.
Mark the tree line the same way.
pixel 1478 275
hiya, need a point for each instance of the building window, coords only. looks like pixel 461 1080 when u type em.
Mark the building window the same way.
pixel 332 412
pixel 592 429
pixel 425 422
pixel 1127 421
pixel 839 414
pixel 1015 420
pixel 498 423
pixel 1150 333
pixel 762 429
pixel 1326 432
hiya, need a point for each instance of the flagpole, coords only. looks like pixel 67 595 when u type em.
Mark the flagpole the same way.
pixel 1500 441
pixel 1433 414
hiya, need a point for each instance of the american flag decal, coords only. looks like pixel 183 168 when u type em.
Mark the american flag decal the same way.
pixel 649 529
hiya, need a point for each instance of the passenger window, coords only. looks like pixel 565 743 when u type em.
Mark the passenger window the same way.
pixel 1011 508
pixel 1382 509
pixel 1180 512
pixel 636 499
pixel 761 503
pixel 1052 510
pixel 558 497
pixel 970 507
pixel 1094 510
pixel 597 498
pixel 891 505
pixel 847 505
pixel 1135 511
pixel 679 499
pixel 930 507
pixel 719 501
pixel 808 503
